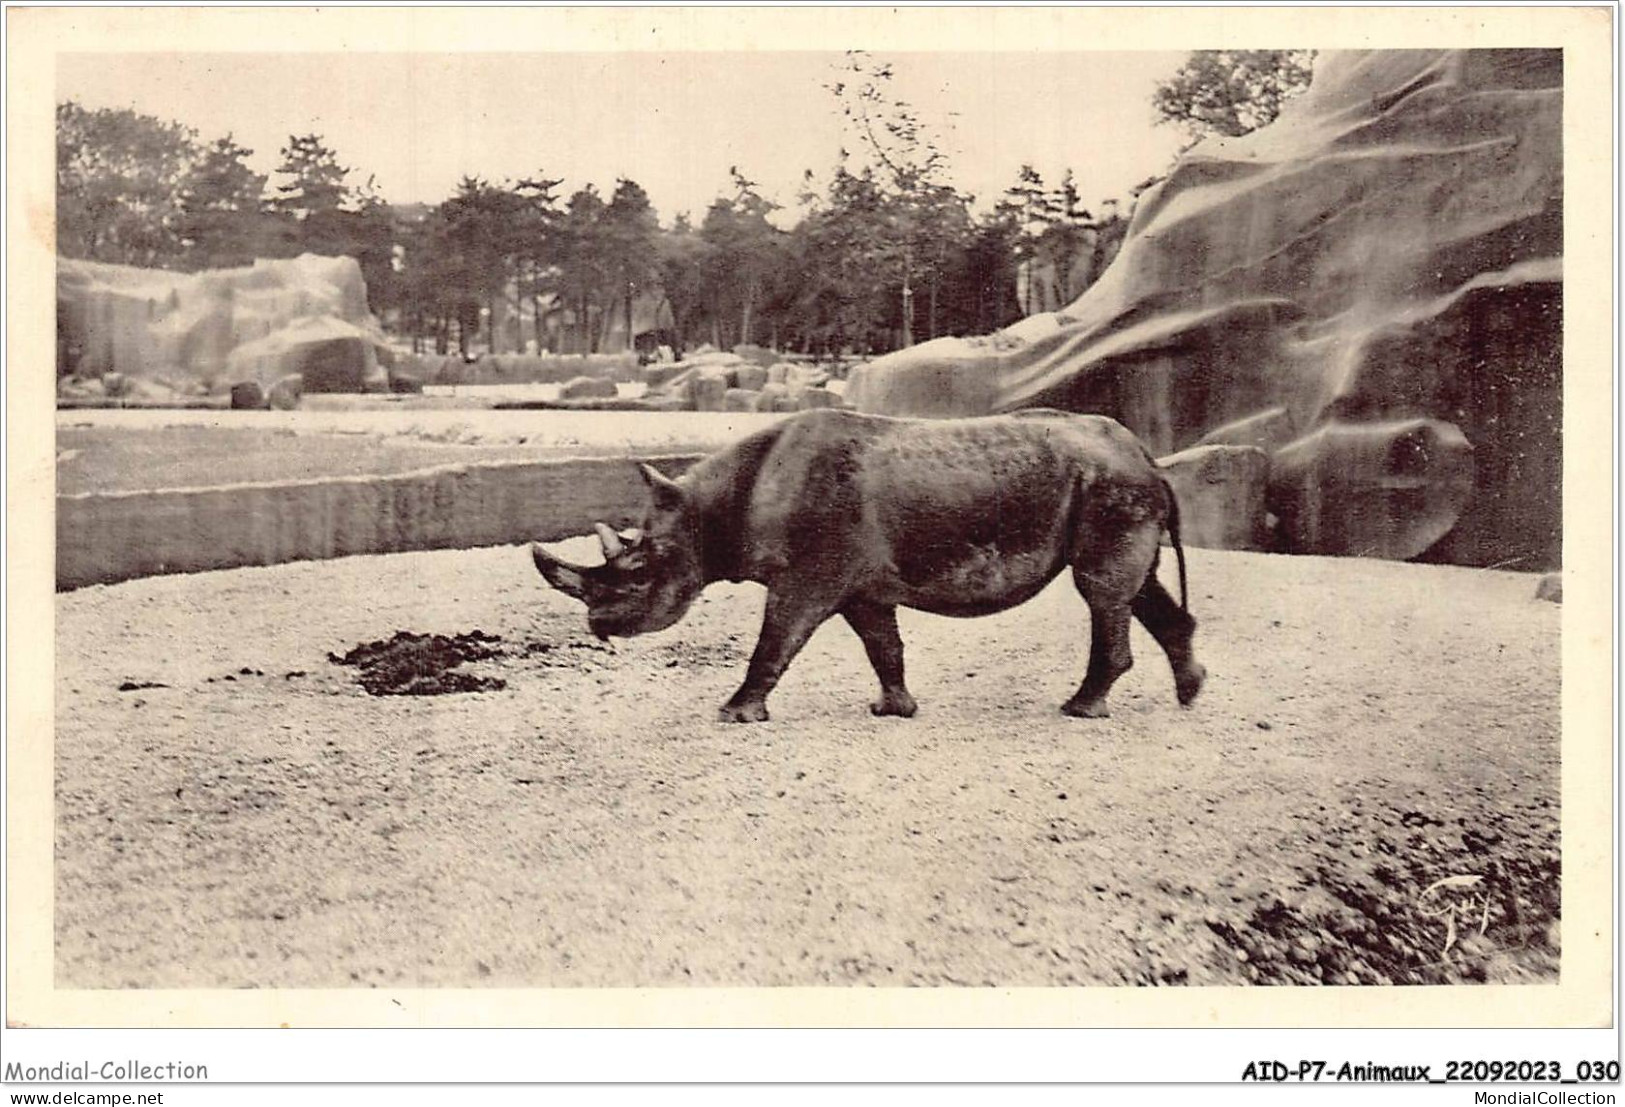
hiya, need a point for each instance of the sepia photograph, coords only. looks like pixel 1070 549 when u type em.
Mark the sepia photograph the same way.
pixel 781 517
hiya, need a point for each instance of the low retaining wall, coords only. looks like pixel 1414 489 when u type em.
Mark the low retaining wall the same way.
pixel 105 537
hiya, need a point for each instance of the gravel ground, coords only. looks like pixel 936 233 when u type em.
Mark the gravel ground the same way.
pixel 234 809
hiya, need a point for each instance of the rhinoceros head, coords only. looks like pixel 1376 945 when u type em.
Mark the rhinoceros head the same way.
pixel 650 574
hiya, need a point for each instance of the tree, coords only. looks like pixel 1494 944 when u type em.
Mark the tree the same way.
pixel 428 286
pixel 1070 229
pixel 902 159
pixel 535 237
pixel 1231 92
pixel 745 253
pixel 846 250
pixel 582 274
pixel 478 222
pixel 1026 208
pixel 985 284
pixel 222 217
pixel 1054 237
pixel 943 227
pixel 627 231
pixel 315 179
pixel 371 235
pixel 120 185
pixel 684 259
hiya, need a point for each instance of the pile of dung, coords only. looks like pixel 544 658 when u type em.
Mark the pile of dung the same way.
pixel 423 664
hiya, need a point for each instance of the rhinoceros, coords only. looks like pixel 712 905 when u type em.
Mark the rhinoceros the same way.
pixel 840 513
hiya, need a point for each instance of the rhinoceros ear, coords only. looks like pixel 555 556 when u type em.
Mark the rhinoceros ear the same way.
pixel 667 493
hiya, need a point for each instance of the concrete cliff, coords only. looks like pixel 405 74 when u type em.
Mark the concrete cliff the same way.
pixel 1369 289
pixel 157 331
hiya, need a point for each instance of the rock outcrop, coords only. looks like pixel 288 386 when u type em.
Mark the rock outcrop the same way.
pixel 207 333
pixel 1369 289
pixel 1221 496
pixel 726 381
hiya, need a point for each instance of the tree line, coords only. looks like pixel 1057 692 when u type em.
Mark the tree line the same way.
pixel 886 251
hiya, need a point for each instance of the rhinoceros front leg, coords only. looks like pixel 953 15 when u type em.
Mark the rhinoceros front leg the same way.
pixel 786 626
pixel 876 624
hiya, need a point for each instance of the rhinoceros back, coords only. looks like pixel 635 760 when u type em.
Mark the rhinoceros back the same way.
pixel 959 516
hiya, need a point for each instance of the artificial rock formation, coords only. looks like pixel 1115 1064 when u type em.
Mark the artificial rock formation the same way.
pixel 1369 289
pixel 208 333
pixel 1221 495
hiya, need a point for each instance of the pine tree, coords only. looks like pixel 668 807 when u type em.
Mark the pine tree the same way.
pixel 627 233
pixel 315 179
pixel 582 275
pixel 222 208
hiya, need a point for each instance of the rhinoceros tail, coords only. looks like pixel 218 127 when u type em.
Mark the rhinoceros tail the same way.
pixel 1173 537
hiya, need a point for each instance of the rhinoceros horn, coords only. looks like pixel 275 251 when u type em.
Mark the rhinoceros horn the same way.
pixel 613 546
pixel 567 578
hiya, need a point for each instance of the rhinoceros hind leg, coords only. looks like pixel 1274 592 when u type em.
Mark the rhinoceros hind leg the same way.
pixel 895 702
pixel 876 625
pixel 1109 658
pixel 1189 682
pixel 1172 627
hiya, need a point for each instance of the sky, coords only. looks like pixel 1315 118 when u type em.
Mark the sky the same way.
pixel 673 122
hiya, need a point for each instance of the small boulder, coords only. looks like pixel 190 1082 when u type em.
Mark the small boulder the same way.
pixel 1550 588
pixel 739 399
pixel 809 398
pixel 1386 488
pixel 452 371
pixel 707 391
pixel 806 376
pixel 727 374
pixel 756 355
pixel 663 401
pixel 769 397
pixel 404 383
pixel 81 387
pixel 116 384
pixel 750 376
pixel 657 376
pixel 715 357
pixel 587 388
pixel 285 393
pixel 1221 492
pixel 780 373
pixel 247 396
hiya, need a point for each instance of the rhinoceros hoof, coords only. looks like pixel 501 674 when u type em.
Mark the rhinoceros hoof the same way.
pixel 902 706
pixel 1080 710
pixel 743 713
pixel 1189 683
